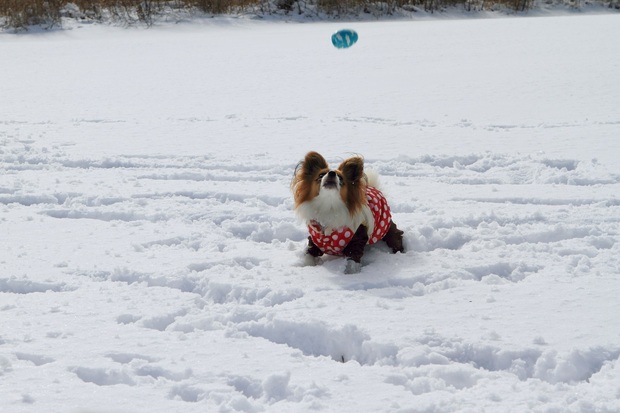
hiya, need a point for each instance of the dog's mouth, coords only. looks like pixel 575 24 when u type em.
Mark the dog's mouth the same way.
pixel 330 180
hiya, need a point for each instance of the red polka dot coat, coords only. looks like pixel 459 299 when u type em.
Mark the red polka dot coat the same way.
pixel 334 242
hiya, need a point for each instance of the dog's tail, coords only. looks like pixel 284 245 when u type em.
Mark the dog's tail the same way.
pixel 372 178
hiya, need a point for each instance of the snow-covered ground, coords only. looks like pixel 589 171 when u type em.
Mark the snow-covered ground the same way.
pixel 150 260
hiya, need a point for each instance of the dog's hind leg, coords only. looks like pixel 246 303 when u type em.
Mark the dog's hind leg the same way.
pixel 394 239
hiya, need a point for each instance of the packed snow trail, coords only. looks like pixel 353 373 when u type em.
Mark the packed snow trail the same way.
pixel 171 260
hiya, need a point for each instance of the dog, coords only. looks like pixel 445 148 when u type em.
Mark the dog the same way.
pixel 343 209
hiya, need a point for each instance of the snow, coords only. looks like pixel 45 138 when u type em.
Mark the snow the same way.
pixel 150 260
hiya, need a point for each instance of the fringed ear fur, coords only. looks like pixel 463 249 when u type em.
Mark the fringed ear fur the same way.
pixel 354 194
pixel 305 175
pixel 312 163
pixel 353 170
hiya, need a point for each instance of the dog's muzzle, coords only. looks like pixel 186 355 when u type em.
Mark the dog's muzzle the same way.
pixel 331 180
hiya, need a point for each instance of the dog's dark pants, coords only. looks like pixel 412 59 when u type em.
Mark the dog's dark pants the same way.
pixel 313 249
pixel 355 249
pixel 394 239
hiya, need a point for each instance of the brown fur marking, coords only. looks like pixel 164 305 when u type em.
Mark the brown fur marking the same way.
pixel 354 193
pixel 305 185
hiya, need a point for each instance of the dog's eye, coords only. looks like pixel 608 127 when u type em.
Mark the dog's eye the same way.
pixel 321 175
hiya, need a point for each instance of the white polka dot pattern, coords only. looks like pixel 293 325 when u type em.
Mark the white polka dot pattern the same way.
pixel 335 242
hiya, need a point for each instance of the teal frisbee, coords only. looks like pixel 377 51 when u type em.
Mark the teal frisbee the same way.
pixel 344 38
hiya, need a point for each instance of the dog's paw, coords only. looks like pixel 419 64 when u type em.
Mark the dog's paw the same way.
pixel 310 261
pixel 352 267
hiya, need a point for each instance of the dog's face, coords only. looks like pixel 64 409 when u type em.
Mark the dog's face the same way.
pixel 315 180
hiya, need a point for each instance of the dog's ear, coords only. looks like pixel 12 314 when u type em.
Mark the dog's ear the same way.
pixel 354 195
pixel 304 179
pixel 352 169
pixel 312 163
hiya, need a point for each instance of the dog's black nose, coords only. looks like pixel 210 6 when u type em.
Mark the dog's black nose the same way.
pixel 331 174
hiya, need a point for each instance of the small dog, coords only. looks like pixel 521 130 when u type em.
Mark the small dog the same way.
pixel 343 210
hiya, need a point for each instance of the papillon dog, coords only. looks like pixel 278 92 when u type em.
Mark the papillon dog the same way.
pixel 343 209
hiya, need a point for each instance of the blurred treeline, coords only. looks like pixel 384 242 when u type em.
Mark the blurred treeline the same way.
pixel 20 14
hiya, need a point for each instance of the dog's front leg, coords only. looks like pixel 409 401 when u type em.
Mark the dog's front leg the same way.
pixel 313 250
pixel 312 253
pixel 355 250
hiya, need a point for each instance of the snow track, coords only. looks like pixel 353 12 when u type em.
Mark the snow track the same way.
pixel 202 255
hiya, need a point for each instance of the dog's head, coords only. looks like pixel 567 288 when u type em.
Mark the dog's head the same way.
pixel 345 185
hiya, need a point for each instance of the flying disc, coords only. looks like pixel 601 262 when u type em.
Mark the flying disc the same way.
pixel 344 38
